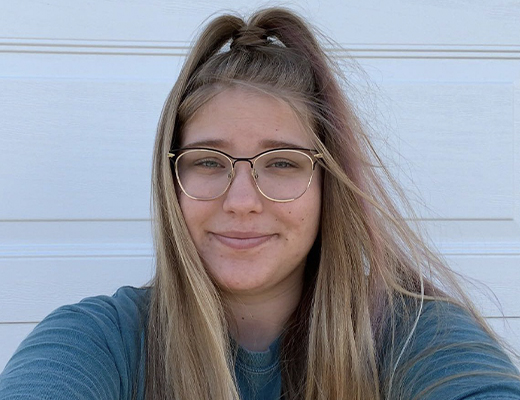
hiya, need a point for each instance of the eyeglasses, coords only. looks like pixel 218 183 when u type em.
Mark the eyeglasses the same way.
pixel 281 175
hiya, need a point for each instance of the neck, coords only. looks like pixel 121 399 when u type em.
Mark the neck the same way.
pixel 259 320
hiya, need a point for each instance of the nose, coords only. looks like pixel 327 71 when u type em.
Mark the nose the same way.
pixel 242 196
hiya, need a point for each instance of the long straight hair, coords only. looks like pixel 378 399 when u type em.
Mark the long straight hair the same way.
pixel 366 263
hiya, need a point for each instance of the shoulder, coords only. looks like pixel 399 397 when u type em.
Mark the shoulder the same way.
pixel 441 322
pixel 127 307
pixel 449 355
pixel 119 319
pixel 89 350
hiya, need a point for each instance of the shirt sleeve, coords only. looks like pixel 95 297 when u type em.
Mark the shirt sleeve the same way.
pixel 451 357
pixel 87 351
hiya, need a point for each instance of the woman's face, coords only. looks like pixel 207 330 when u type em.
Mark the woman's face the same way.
pixel 251 245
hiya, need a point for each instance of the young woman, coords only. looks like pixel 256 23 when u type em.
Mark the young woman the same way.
pixel 284 269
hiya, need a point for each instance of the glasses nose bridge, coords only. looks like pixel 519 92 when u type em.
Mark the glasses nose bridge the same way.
pixel 249 160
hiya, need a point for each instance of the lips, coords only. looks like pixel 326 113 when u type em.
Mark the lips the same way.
pixel 242 240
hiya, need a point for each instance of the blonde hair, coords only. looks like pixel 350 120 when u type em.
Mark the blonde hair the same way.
pixel 366 263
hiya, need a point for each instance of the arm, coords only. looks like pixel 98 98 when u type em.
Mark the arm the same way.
pixel 451 357
pixel 86 351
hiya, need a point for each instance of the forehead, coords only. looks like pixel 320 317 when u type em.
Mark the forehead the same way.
pixel 247 120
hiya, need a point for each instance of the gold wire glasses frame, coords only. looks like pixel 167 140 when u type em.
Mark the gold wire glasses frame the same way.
pixel 206 174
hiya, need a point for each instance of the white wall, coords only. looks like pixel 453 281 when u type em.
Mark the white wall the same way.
pixel 82 86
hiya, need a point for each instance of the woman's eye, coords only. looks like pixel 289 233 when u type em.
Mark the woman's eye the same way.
pixel 282 164
pixel 208 163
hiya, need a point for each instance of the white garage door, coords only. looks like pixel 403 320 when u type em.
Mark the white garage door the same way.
pixel 82 86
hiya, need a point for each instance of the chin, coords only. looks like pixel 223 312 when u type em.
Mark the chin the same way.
pixel 244 287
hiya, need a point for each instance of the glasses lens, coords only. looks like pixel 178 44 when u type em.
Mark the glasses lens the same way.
pixel 283 174
pixel 203 174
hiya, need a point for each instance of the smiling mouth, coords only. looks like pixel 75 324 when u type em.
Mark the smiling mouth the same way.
pixel 242 241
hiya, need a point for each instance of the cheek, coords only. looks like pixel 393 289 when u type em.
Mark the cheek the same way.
pixel 190 213
pixel 306 220
pixel 312 223
pixel 313 215
pixel 198 216
pixel 313 211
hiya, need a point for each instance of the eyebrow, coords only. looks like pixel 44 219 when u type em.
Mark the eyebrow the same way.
pixel 268 143
pixel 265 144
pixel 209 143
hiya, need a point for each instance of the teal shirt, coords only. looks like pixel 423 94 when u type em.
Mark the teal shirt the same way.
pixel 94 350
